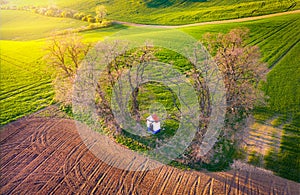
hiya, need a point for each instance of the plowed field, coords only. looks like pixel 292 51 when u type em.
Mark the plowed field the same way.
pixel 48 156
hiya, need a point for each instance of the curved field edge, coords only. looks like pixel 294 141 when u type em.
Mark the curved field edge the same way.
pixel 189 13
pixel 172 12
pixel 29 146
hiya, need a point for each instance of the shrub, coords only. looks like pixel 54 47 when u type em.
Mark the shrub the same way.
pixel 106 23
pixel 91 20
pixel 85 18
pixel 79 15
pixel 49 12
pixel 66 14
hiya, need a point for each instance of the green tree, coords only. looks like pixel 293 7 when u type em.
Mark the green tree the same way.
pixel 101 12
pixel 64 54
pixel 242 70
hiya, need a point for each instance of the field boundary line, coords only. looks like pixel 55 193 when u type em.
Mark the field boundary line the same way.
pixel 207 23
pixel 284 54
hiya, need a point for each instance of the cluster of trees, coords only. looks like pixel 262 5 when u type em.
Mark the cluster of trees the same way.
pixel 65 53
pixel 242 70
pixel 239 64
pixel 52 11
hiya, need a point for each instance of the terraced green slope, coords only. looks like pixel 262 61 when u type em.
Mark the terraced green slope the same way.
pixel 173 11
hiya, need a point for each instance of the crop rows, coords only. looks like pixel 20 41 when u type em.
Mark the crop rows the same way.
pixel 174 11
pixel 25 83
pixel 277 39
pixel 183 12
pixel 48 156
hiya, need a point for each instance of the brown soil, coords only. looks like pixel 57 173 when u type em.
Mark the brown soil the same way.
pixel 47 156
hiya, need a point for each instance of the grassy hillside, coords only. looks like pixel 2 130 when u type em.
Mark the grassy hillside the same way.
pixel 22 25
pixel 182 12
pixel 25 81
pixel 275 36
pixel 173 11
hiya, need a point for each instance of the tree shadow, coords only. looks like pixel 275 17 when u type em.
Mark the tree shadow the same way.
pixel 159 3
pixel 168 3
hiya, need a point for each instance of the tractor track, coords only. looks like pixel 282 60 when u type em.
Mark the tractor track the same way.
pixel 48 156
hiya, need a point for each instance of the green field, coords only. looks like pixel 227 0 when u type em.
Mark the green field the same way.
pixel 172 11
pixel 25 80
pixel 279 40
pixel 23 25
pixel 183 12
pixel 283 83
pixel 283 88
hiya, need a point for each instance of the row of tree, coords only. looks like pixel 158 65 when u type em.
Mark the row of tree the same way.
pixel 100 12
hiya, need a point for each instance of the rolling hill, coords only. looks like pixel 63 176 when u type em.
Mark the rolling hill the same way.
pixel 25 79
pixel 24 25
pixel 172 11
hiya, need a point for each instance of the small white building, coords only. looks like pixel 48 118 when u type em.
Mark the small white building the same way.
pixel 153 124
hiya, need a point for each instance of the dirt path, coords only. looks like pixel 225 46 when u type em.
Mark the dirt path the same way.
pixel 212 22
pixel 47 156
